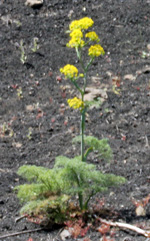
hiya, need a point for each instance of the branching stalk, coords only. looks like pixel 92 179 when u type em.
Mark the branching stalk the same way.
pixel 82 134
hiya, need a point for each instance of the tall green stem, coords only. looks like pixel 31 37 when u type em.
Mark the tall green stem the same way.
pixel 80 200
pixel 82 134
pixel 85 69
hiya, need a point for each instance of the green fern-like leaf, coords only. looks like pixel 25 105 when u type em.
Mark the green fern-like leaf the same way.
pixel 101 146
pixel 31 172
pixel 94 103
pixel 82 177
pixel 47 207
pixel 29 192
pixel 40 175
pixel 69 177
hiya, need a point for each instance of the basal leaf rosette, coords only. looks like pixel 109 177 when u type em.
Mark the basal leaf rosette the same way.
pixel 76 103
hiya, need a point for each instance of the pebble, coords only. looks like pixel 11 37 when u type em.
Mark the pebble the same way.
pixel 33 3
pixel 148 47
pixel 129 77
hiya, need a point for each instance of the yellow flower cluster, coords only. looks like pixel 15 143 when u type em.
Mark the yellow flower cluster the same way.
pixel 76 34
pixel 96 50
pixel 76 40
pixel 70 71
pixel 92 36
pixel 83 23
pixel 75 103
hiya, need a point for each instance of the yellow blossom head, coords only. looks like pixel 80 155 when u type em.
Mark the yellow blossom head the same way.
pixel 76 33
pixel 83 23
pixel 92 36
pixel 70 71
pixel 96 50
pixel 76 40
pixel 75 103
pixel 74 25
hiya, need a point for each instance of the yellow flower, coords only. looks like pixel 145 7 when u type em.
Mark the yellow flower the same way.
pixel 75 42
pixel 96 50
pixel 74 25
pixel 92 36
pixel 83 23
pixel 75 103
pixel 70 71
pixel 76 33
pixel 86 22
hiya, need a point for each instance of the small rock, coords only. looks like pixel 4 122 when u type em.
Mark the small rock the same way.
pixel 140 211
pixel 34 3
pixel 129 77
pixel 148 47
pixel 93 92
pixel 65 234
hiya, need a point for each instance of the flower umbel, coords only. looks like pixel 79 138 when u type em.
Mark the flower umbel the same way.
pixel 96 50
pixel 75 42
pixel 70 71
pixel 86 23
pixel 92 36
pixel 77 33
pixel 75 103
pixel 83 23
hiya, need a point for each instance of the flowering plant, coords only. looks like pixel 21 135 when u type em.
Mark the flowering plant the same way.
pixel 50 190
pixel 80 39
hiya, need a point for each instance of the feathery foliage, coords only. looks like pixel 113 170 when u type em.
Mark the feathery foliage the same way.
pixel 95 144
pixel 68 178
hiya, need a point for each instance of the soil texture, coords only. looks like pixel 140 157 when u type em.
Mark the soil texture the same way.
pixel 36 124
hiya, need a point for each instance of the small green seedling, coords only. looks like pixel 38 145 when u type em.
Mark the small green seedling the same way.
pixel 6 130
pixel 20 93
pixel 145 54
pixel 35 45
pixel 23 56
pixel 29 135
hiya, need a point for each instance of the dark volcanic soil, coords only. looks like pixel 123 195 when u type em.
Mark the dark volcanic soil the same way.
pixel 39 126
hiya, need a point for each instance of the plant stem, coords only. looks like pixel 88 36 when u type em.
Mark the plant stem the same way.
pixel 85 69
pixel 80 200
pixel 82 134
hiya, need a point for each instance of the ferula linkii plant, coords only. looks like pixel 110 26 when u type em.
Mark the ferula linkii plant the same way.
pixel 49 190
pixel 79 39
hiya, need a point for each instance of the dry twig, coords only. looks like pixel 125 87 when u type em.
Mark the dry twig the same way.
pixel 126 226
pixel 21 232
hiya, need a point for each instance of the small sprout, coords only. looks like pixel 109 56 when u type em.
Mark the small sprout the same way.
pixel 35 45
pixel 18 23
pixel 23 57
pixel 106 110
pixel 19 93
pixel 116 84
pixel 29 135
pixel 145 55
pixel 5 130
